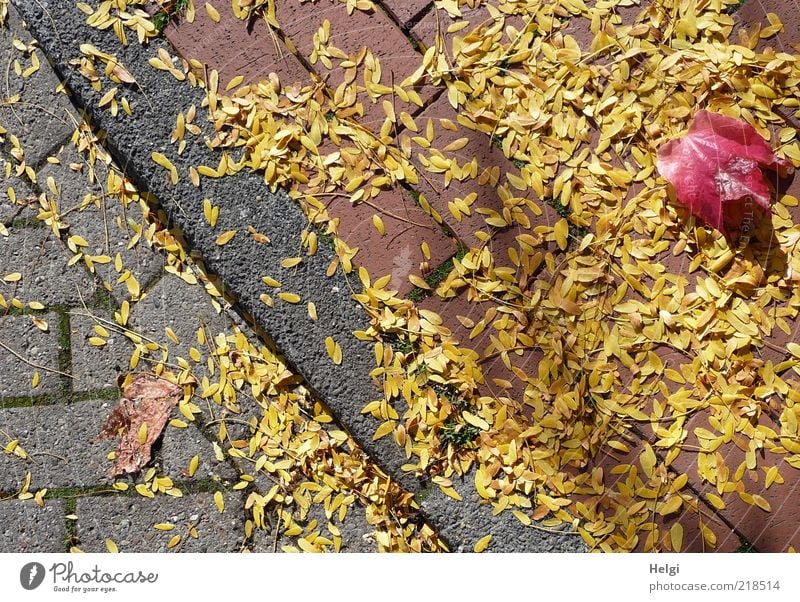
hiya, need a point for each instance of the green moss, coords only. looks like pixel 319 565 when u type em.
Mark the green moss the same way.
pixel 745 547
pixel 398 344
pixel 417 295
pixel 436 276
pixel 29 401
pixel 734 7
pixel 64 354
pixel 162 18
pixel 457 434
pixel 71 539
pixel 111 394
pixel 208 485
pixel 102 299
pixel 423 494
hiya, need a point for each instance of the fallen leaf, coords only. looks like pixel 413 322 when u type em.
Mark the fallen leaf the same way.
pixel 139 419
pixel 716 167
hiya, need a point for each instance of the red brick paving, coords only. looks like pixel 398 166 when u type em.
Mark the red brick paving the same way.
pixel 438 21
pixel 460 315
pixel 405 10
pixel 755 13
pixel 398 251
pixel 771 531
pixel 487 156
pixel 257 52
pixel 618 468
pixel 351 33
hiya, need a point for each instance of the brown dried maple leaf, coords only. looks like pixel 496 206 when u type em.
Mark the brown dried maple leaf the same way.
pixel 139 419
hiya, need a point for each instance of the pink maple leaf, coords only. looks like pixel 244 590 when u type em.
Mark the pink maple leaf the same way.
pixel 716 170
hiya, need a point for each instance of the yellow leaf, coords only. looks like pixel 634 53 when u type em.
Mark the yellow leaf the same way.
pixel 290 262
pixel 225 237
pixel 482 543
pixel 219 501
pixel 476 421
pixel 619 446
pixel 162 161
pixel 193 465
pixel 419 282
pixel 671 506
pixel 13 277
pixel 648 460
pixel 456 145
pixel 761 503
pixel 142 434
pixel 212 12
pixel 289 297
pixel 708 535
pixel 522 517
pixel 378 223
pixel 235 82
pixel 676 535
pixel 164 526
pixel 561 233
pixel 772 475
pixel 174 541
pixel 334 350
pixel 715 501
pixel 111 546
pixel 383 430
pixel 450 492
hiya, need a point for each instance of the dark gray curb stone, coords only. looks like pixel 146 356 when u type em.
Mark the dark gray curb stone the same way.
pixel 476 521
pixel 244 200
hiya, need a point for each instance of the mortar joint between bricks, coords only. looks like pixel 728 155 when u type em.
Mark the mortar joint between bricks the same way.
pixel 64 350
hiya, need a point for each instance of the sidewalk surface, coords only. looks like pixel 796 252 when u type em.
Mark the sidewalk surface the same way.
pixel 100 287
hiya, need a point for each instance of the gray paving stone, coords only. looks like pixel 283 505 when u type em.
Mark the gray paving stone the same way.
pixel 42 261
pixel 60 440
pixel 129 521
pixel 107 226
pixel 179 445
pixel 23 195
pixel 184 308
pixel 37 346
pixel 42 118
pixel 96 368
pixel 25 527
pixel 357 533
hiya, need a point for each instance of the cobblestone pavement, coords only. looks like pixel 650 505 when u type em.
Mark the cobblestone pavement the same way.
pixel 56 421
